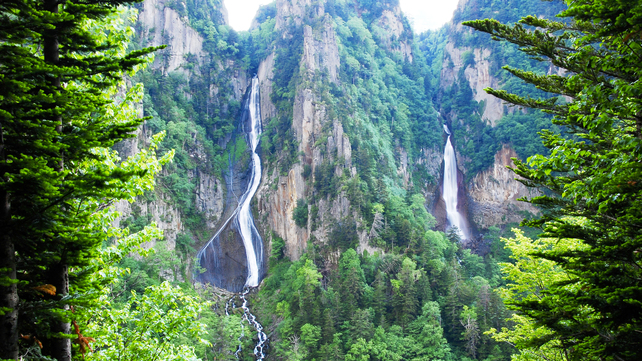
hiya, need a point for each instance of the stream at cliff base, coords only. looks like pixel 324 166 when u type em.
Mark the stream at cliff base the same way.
pixel 262 343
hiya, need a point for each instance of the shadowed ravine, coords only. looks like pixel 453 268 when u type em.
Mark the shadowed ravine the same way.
pixel 220 259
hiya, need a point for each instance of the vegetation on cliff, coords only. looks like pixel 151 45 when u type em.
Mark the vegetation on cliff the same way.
pixel 591 176
pixel 418 295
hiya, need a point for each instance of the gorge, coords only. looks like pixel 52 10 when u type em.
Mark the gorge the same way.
pixel 240 222
pixel 330 185
pixel 319 191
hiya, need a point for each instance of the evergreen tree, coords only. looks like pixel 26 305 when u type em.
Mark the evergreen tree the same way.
pixel 405 292
pixel 350 283
pixel 60 63
pixel 591 178
pixel 427 334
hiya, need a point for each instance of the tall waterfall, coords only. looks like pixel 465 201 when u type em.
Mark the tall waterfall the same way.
pixel 241 220
pixel 250 235
pixel 450 189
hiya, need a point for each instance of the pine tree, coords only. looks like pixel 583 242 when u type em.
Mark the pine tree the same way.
pixel 591 177
pixel 60 61
pixel 351 281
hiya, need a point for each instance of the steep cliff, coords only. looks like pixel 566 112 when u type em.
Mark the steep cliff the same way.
pixel 197 115
pixel 353 108
pixel 394 32
pixel 486 132
pixel 494 193
pixel 347 109
pixel 352 143
pixel 278 195
pixel 162 25
pixel 476 71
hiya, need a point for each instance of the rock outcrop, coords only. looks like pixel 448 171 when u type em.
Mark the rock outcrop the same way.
pixel 432 161
pixel 278 194
pixel 296 11
pixel 159 23
pixel 494 193
pixel 320 51
pixel 390 30
pixel 491 195
pixel 477 74
pixel 209 198
pixel 161 211
pixel 163 25
pixel 266 75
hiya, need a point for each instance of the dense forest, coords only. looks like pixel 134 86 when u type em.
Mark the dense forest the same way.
pixel 119 158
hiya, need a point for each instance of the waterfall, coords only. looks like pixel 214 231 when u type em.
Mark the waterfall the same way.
pixel 450 189
pixel 242 221
pixel 251 237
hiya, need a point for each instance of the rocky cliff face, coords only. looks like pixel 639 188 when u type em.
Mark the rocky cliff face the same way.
pixel 320 134
pixel 209 196
pixel 158 24
pixel 494 193
pixel 477 74
pixel 278 194
pixel 162 25
pixel 491 194
pixel 432 160
pixel 160 211
pixel 391 30
pixel 296 10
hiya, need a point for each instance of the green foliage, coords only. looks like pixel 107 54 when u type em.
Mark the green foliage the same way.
pixel 506 11
pixel 278 137
pixel 262 40
pixel 432 303
pixel 325 181
pixel 473 137
pixel 138 314
pixel 178 109
pixel 344 234
pixel 530 278
pixel 382 104
pixel 184 243
pixel 300 213
pixel 278 245
pixel 591 175
pixel 62 65
pixel 153 326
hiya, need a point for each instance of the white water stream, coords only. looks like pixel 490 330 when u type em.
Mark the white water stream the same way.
pixel 451 190
pixel 261 345
pixel 242 218
pixel 242 215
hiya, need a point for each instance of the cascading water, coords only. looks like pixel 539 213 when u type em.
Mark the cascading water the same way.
pixel 450 189
pixel 245 221
pixel 242 221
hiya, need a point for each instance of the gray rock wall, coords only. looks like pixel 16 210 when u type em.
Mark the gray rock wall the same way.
pixel 477 75
pixel 162 25
pixel 278 195
pixel 494 193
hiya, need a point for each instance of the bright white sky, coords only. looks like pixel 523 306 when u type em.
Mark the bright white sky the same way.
pixel 424 14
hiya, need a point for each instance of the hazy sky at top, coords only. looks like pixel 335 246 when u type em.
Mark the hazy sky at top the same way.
pixel 424 14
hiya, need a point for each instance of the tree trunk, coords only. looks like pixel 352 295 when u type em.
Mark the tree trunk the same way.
pixel 60 347
pixel 59 274
pixel 8 293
